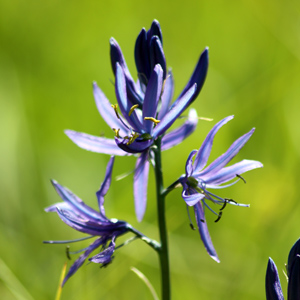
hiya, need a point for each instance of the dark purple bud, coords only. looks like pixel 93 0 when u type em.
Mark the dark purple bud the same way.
pixel 141 54
pixel 292 255
pixel 294 279
pixel 116 56
pixel 155 30
pixel 157 55
pixel 273 287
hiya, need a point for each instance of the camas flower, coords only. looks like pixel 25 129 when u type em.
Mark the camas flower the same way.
pixel 198 179
pixel 146 108
pixel 273 286
pixel 76 214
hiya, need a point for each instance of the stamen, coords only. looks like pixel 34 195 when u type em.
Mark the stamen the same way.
pixel 219 217
pixel 68 252
pixel 191 223
pixel 239 176
pixel 224 205
pixel 155 121
pixel 68 241
pixel 116 132
pixel 115 107
pixel 133 138
pixel 132 109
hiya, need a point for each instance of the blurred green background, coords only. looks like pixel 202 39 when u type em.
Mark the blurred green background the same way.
pixel 51 51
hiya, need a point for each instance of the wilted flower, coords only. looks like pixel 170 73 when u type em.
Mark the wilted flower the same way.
pixel 199 179
pixel 147 112
pixel 75 213
pixel 273 286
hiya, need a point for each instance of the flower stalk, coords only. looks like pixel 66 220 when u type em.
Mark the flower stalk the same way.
pixel 163 252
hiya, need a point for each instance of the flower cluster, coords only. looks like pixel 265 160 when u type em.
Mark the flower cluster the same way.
pixel 140 120
pixel 146 107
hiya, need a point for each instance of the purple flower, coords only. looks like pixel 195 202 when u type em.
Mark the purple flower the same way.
pixel 273 286
pixel 146 109
pixel 198 179
pixel 75 213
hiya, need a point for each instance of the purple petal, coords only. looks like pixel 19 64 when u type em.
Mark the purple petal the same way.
pixel 189 164
pixel 105 185
pixel 204 234
pixel 116 56
pixel 198 76
pixel 225 158
pixel 105 257
pixel 137 146
pixel 167 95
pixel 152 95
pixel 124 102
pixel 205 149
pixel 80 260
pixel 176 136
pixel 273 287
pixel 76 204
pixel 191 199
pixel 174 112
pixel 106 111
pixel 95 143
pixel 229 173
pixel 140 185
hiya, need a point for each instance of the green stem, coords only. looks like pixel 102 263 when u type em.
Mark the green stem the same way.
pixel 163 251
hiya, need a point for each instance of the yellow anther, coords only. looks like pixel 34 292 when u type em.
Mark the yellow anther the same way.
pixel 132 138
pixel 155 121
pixel 116 132
pixel 133 107
pixel 115 107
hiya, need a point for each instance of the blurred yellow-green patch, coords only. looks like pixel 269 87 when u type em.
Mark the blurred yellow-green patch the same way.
pixel 51 52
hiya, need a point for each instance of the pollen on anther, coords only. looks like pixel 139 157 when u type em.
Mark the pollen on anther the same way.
pixel 155 121
pixel 133 107
pixel 116 132
pixel 115 107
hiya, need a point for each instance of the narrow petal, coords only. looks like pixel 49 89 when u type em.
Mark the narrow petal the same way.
pixel 167 95
pixel 81 259
pixel 177 135
pixel 273 287
pixel 124 103
pixel 116 56
pixel 106 111
pixel 225 158
pixel 191 199
pixel 152 95
pixel 189 164
pixel 204 234
pixel 105 257
pixel 105 185
pixel 229 173
pixel 95 143
pixel 198 75
pixel 140 185
pixel 76 203
pixel 205 149
pixel 174 113
pixel 295 250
